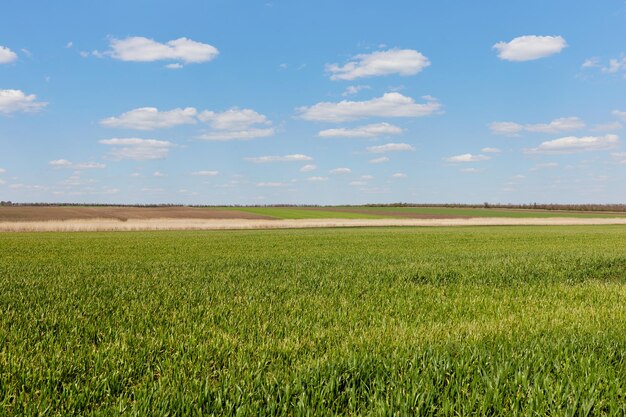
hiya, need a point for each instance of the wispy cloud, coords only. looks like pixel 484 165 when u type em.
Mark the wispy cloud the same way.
pixel 389 105
pixel 490 150
pixel 367 131
pixel 150 118
pixel 308 168
pixel 563 124
pixel 236 124
pixel 380 160
pixel 393 61
pixel 573 144
pixel 205 173
pixel 64 163
pixel 137 149
pixel 391 147
pixel 466 157
pixel 285 158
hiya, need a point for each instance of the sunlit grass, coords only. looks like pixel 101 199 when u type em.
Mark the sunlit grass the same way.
pixel 449 321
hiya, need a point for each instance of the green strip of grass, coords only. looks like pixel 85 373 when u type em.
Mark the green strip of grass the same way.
pixel 478 212
pixel 403 321
pixel 306 213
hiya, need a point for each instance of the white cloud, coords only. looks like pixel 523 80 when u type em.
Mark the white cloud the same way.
pixel 367 131
pixel 149 118
pixel 608 127
pixel 15 100
pixel 174 66
pixel 505 128
pixel 285 158
pixel 29 187
pixel 399 175
pixel 530 47
pixel 572 144
pixel 64 163
pixel 357 183
pixel 354 89
pixel 393 61
pixel 391 147
pixel 591 63
pixel 619 157
pixel 467 157
pixel 205 173
pixel 233 119
pixel 389 105
pixel 615 65
pixel 317 179
pixel 140 49
pixel 619 114
pixel 137 149
pixel 60 163
pixel 339 171
pixel 562 124
pixel 2 170
pixel 308 168
pixel 7 55
pixel 69 44
pixel 272 184
pixel 236 124
pixel 89 165
pixel 158 174
pixel 546 165
pixel 380 160
pixel 470 170
pixel 367 177
pixel 490 150
pixel 238 134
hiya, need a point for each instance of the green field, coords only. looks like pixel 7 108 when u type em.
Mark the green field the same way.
pixel 366 212
pixel 378 321
pixel 305 213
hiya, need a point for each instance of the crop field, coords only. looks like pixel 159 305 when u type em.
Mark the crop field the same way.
pixel 68 213
pixel 377 321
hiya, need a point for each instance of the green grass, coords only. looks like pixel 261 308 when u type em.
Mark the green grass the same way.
pixel 397 212
pixel 397 321
pixel 305 213
pixel 484 212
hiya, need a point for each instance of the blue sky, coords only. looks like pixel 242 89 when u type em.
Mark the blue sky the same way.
pixel 325 102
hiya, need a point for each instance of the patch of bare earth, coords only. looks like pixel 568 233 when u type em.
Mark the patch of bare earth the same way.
pixel 51 213
pixel 221 224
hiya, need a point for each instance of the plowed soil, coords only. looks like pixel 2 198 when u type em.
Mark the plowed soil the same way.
pixel 48 213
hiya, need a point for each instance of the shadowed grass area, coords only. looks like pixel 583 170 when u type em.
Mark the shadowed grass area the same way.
pixel 447 321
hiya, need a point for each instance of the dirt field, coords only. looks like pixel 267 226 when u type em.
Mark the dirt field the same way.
pixel 46 213
pixel 220 224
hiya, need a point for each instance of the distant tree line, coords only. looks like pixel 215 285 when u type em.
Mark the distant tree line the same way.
pixel 531 206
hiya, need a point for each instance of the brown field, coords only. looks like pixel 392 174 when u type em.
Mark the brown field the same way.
pixel 90 225
pixel 51 213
